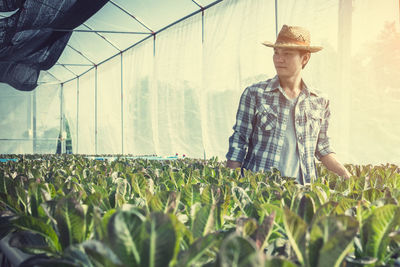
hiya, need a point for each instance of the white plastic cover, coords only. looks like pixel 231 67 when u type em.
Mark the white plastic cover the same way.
pixel 178 91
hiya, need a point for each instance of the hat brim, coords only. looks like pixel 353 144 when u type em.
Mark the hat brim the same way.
pixel 311 49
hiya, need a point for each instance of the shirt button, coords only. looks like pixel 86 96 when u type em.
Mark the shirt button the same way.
pixel 300 138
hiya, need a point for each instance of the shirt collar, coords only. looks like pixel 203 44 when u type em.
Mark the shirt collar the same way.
pixel 275 85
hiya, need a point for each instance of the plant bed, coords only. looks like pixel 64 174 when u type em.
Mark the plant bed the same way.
pixel 187 212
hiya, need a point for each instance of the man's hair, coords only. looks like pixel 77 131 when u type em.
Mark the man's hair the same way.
pixel 304 52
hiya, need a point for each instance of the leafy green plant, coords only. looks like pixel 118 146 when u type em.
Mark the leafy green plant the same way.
pixel 71 210
pixel 375 233
pixel 323 243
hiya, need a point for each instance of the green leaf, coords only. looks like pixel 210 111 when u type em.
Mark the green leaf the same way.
pixel 165 201
pixel 124 229
pixel 29 242
pixel 322 191
pixel 190 194
pixel 5 183
pixel 102 223
pixel 36 225
pixel 100 254
pixel 71 221
pixel 204 221
pixel 270 208
pixel 330 240
pixel 246 226
pixel 77 255
pixel 22 197
pixel 264 231
pixel 34 206
pixel 46 262
pixel 206 195
pixel 224 208
pixel 123 191
pixel 243 200
pixel 139 184
pixel 278 262
pixel 306 208
pixel 376 228
pixel 351 260
pixel 325 210
pixel 372 194
pixel 184 237
pixel 197 252
pixel 239 251
pixel 158 241
pixel 296 229
pixel 6 224
pixel 345 204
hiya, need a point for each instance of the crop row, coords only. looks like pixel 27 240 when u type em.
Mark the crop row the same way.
pixel 73 211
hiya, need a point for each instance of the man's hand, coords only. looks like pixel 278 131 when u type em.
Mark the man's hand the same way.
pixel 332 164
pixel 233 164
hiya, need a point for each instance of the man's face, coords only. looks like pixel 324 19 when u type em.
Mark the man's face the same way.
pixel 288 62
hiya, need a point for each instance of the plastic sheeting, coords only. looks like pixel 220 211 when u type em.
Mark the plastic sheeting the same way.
pixel 109 107
pixel 86 138
pixel 374 83
pixel 29 121
pixel 138 107
pixel 15 121
pixel 178 92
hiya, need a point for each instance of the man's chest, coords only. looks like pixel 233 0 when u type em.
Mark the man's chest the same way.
pixel 273 109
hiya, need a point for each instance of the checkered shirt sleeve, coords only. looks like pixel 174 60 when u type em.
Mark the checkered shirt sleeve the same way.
pixel 323 144
pixel 238 142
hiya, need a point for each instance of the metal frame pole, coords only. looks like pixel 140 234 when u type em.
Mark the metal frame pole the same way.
pixel 131 15
pixel 155 110
pixel 276 18
pixel 62 119
pixel 77 115
pixel 150 34
pixel 34 134
pixel 28 115
pixel 202 92
pixel 344 55
pixel 122 105
pixel 202 27
pixel 95 110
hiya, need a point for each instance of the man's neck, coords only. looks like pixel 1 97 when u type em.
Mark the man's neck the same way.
pixel 291 85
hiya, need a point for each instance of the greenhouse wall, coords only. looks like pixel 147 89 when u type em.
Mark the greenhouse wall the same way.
pixel 30 121
pixel 15 124
pixel 178 91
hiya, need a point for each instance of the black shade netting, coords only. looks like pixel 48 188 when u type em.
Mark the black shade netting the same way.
pixel 33 38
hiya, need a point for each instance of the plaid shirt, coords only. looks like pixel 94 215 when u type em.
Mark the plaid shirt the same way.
pixel 261 123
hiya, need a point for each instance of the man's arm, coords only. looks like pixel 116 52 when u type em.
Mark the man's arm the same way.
pixel 332 164
pixel 324 152
pixel 233 164
pixel 238 142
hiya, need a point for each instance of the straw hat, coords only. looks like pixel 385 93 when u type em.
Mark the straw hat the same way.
pixel 294 37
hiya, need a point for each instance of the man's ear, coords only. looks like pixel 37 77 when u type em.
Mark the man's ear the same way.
pixel 305 58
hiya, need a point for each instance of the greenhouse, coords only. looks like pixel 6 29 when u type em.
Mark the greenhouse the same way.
pixel 165 77
pixel 115 124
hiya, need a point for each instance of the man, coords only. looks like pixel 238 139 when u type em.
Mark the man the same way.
pixel 282 122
